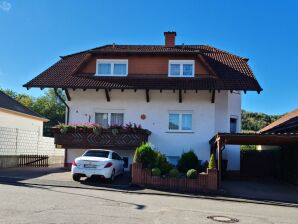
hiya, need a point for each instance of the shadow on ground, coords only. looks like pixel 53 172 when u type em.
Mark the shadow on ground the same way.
pixel 262 191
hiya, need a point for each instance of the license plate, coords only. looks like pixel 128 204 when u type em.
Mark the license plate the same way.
pixel 89 166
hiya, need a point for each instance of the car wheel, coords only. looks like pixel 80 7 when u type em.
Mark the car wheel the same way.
pixel 112 178
pixel 76 177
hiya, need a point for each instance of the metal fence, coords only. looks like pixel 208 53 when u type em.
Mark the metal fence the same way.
pixel 14 141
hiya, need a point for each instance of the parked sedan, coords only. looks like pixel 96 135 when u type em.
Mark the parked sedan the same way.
pixel 104 163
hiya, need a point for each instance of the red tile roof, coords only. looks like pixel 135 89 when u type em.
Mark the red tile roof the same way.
pixel 231 72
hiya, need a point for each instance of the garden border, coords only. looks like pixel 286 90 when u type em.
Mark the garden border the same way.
pixel 205 181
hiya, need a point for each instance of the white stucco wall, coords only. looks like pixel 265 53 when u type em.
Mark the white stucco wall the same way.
pixel 232 152
pixel 208 118
pixel 16 121
pixel 228 105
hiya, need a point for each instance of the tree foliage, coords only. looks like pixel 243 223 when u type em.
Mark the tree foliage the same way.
pixel 252 121
pixel 47 105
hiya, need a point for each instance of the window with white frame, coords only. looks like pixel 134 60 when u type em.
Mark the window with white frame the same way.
pixel 109 119
pixel 180 121
pixel 181 68
pixel 110 67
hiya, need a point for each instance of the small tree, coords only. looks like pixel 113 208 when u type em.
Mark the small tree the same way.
pixel 145 155
pixel 211 164
pixel 187 161
pixel 162 163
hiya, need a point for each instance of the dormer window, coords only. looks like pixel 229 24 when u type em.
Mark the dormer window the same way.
pixel 181 68
pixel 111 67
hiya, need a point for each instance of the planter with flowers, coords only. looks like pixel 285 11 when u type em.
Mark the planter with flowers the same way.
pixel 95 136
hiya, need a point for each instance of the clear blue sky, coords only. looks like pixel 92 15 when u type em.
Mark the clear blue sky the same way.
pixel 34 33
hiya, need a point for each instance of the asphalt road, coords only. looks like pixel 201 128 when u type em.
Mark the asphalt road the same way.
pixel 40 204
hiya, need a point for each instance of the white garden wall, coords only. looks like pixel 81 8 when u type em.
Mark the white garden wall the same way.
pixel 14 141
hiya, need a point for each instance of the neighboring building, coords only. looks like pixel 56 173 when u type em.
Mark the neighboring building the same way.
pixel 15 115
pixel 21 133
pixel 285 124
pixel 183 94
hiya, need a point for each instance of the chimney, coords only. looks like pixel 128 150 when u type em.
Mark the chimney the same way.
pixel 170 38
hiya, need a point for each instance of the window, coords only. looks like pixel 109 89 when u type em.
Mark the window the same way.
pixel 109 67
pixel 109 119
pixel 233 125
pixel 116 156
pixel 180 121
pixel 97 153
pixel 181 68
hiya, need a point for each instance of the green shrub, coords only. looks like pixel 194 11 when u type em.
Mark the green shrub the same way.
pixel 211 164
pixel 162 163
pixel 174 172
pixel 192 174
pixel 156 172
pixel 187 161
pixel 145 155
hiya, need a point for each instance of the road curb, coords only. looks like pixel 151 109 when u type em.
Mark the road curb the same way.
pixel 140 191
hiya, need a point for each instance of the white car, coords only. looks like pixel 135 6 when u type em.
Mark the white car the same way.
pixel 103 163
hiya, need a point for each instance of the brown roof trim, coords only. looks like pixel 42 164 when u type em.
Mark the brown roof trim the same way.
pixel 255 139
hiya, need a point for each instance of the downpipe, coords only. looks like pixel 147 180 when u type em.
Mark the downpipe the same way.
pixel 63 101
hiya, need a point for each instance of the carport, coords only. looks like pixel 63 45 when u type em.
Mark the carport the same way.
pixel 218 142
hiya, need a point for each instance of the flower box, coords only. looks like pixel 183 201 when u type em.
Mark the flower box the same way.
pixel 95 137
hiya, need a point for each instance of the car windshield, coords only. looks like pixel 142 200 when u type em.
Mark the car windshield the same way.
pixel 97 153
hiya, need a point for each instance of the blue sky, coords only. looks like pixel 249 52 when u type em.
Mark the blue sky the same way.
pixel 34 33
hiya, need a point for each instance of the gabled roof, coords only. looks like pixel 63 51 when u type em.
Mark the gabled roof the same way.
pixel 286 123
pixel 230 72
pixel 10 105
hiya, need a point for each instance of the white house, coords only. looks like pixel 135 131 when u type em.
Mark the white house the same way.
pixel 15 115
pixel 183 94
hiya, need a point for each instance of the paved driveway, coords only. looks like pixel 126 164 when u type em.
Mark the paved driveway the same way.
pixel 57 174
pixel 263 190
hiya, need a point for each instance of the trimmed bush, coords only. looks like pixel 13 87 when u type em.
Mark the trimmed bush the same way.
pixel 211 164
pixel 174 172
pixel 156 172
pixel 187 161
pixel 145 155
pixel 204 166
pixel 192 174
pixel 162 163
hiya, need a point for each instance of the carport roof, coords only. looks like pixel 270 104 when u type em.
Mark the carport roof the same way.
pixel 255 138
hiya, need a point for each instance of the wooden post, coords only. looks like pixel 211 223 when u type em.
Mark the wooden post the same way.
pixel 219 160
